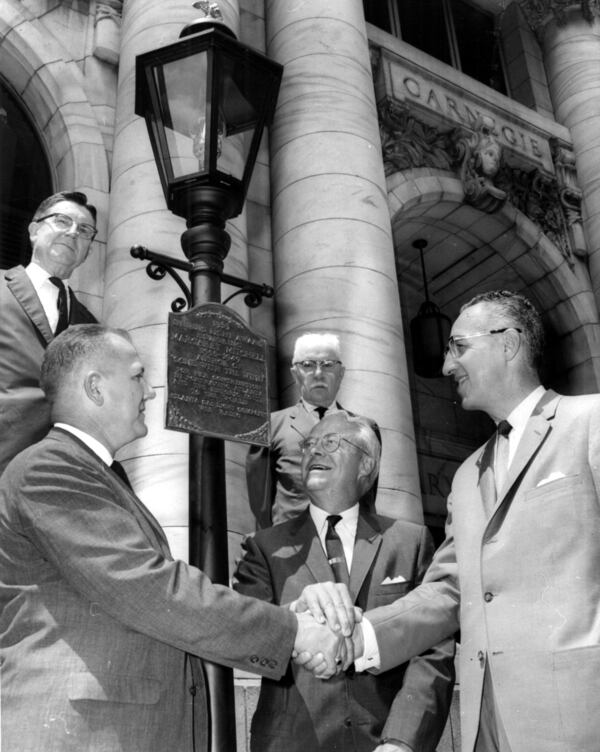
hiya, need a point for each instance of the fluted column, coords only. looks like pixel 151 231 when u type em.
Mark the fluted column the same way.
pixel 333 249
pixel 569 34
pixel 157 464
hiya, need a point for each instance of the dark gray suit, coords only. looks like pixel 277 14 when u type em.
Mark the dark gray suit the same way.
pixel 97 622
pixel 24 336
pixel 347 713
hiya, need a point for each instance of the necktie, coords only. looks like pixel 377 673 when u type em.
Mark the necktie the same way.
pixel 63 311
pixel 501 455
pixel 335 550
pixel 119 470
pixel 320 410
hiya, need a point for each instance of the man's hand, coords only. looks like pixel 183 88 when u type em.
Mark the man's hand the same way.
pixel 320 650
pixel 330 603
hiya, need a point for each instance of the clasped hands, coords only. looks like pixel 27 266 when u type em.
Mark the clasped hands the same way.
pixel 327 641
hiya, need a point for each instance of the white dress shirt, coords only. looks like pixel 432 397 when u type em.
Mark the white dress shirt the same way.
pixel 345 528
pixel 46 291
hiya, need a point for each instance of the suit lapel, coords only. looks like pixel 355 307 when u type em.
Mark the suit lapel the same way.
pixel 535 432
pixel 487 486
pixel 21 287
pixel 366 546
pixel 305 536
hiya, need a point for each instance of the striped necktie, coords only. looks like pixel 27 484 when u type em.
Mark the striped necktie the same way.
pixel 335 550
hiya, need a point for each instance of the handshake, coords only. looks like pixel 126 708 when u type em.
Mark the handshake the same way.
pixel 329 638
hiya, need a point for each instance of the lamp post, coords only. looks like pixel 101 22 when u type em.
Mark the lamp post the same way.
pixel 207 99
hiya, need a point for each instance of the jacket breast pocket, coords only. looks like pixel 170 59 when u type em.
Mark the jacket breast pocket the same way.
pixel 385 594
pixel 555 489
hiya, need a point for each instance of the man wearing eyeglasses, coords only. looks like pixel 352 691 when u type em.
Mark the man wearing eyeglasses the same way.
pixel 275 490
pixel 339 539
pixel 36 304
pixel 518 571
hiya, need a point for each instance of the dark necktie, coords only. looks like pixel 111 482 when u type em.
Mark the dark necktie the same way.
pixel 335 550
pixel 321 411
pixel 63 311
pixel 501 458
pixel 119 470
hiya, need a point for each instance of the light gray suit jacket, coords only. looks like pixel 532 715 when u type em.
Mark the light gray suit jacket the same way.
pixel 24 336
pixel 98 624
pixel 348 713
pixel 526 583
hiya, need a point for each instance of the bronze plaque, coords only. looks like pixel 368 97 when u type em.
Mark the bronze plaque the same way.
pixel 217 376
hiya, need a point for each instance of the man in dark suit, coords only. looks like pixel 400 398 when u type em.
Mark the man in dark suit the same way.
pixel 33 307
pixel 100 628
pixel 275 490
pixel 382 560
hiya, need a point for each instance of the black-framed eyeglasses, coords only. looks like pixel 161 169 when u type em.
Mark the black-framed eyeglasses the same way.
pixel 455 349
pixel 312 365
pixel 64 223
pixel 330 443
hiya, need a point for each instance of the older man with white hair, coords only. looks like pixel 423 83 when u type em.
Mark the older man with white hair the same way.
pixel 275 489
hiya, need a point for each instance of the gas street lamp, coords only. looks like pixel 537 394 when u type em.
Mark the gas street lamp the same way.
pixel 206 100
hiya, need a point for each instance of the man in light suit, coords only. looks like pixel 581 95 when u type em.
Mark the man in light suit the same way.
pixel 61 234
pixel 519 566
pixel 100 628
pixel 386 558
pixel 275 490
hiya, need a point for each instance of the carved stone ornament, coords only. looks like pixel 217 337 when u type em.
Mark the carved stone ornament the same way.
pixel 407 142
pixel 553 202
pixel 480 157
pixel 538 12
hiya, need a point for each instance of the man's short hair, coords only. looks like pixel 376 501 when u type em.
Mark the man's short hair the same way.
pixel 521 314
pixel 316 339
pixel 76 345
pixel 77 197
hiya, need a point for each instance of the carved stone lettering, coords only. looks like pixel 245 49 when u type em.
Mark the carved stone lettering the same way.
pixel 217 376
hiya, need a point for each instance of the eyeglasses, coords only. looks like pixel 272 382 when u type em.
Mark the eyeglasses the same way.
pixel 64 223
pixel 455 349
pixel 330 443
pixel 312 365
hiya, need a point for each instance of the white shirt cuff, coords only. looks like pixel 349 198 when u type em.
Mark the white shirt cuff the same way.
pixel 370 659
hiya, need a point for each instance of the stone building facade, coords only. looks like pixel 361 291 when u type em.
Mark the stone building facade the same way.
pixel 375 144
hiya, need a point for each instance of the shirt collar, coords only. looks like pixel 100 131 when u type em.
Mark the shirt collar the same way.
pixel 90 442
pixel 319 516
pixel 38 276
pixel 522 412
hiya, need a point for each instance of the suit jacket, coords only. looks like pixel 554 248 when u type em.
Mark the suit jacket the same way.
pixel 526 581
pixel 275 490
pixel 98 624
pixel 24 336
pixel 347 713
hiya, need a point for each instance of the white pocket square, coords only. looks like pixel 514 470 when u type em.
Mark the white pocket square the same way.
pixel 393 580
pixel 550 478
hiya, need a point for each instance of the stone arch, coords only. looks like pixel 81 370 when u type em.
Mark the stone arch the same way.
pixel 50 85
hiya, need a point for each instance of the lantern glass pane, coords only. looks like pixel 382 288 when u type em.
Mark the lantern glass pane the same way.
pixel 184 96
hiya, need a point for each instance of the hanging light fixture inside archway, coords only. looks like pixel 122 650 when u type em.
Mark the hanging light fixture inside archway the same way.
pixel 429 330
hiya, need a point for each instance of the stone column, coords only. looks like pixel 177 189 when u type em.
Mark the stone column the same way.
pixel 570 38
pixel 157 464
pixel 333 250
